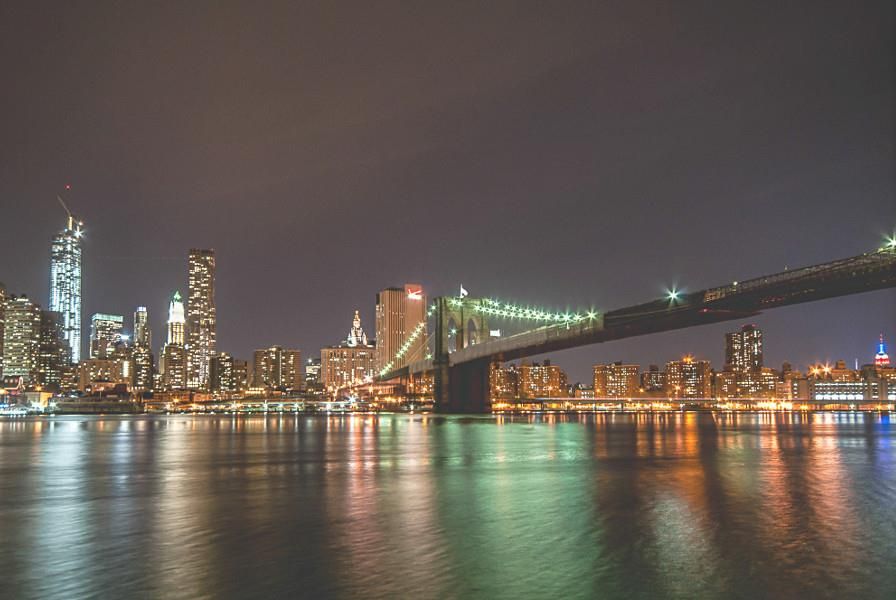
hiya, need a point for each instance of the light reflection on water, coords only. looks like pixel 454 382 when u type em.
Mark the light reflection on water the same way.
pixel 617 505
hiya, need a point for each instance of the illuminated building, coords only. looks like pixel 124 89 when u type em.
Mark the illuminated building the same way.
pixel 201 316
pixel 176 320
pixel 542 381
pixel 726 385
pixel 240 374
pixel 312 372
pixel 504 382
pixel 757 383
pixel 143 366
pixel 351 362
pixel 222 375
pixel 277 368
pixel 398 312
pixel 688 378
pixel 142 332
pixel 105 333
pixel 881 359
pixel 101 373
pixel 65 281
pixel 743 349
pixel 653 380
pixel 21 339
pixel 53 359
pixel 616 380
pixel 173 367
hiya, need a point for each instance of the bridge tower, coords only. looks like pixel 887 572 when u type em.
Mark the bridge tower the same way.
pixel 460 388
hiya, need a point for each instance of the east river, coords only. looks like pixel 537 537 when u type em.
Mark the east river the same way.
pixel 669 505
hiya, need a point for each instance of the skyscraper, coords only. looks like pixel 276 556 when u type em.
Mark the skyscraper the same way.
pixel 350 362
pixel 53 351
pixel 2 322
pixel 176 320
pixel 743 349
pixel 65 281
pixel 881 359
pixel 105 334
pixel 278 368
pixel 201 317
pixel 398 312
pixel 142 333
pixel 21 339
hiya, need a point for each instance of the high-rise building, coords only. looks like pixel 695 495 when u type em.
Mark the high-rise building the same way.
pixel 743 349
pixel 351 362
pixel 653 380
pixel 173 367
pixel 201 316
pixel 65 281
pixel 143 366
pixel 542 381
pixel 312 372
pixel 278 368
pixel 176 320
pixel 399 311
pixel 689 378
pixel 21 339
pixel 142 332
pixel 616 380
pixel 222 375
pixel 105 334
pixel 53 351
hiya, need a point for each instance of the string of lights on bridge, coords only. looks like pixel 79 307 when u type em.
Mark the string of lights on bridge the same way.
pixel 514 311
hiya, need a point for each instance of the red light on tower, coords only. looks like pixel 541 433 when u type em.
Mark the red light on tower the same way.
pixel 881 359
pixel 68 186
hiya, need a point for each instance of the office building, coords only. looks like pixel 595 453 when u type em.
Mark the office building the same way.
pixel 689 378
pixel 349 363
pixel 277 368
pixel 201 316
pixel 542 381
pixel 176 320
pixel 504 382
pixel 105 334
pixel 222 375
pixel 53 351
pixel 743 349
pixel 142 332
pixel 21 339
pixel 616 380
pixel 399 311
pixel 173 367
pixel 144 368
pixel 65 281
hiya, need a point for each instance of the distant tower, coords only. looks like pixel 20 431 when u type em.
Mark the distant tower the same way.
pixel 357 337
pixel 201 317
pixel 142 333
pixel 743 349
pixel 65 280
pixel 881 359
pixel 176 321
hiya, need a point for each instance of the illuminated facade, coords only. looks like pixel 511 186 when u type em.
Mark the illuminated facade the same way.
pixel 504 382
pixel 105 334
pixel 616 380
pixel 102 373
pixel 688 378
pixel 201 317
pixel 53 352
pixel 176 320
pixel 349 363
pixel 173 367
pixel 743 349
pixel 399 311
pixel 21 339
pixel 278 368
pixel 542 381
pixel 65 282
pixel 143 366
pixel 142 332
pixel 2 323
pixel 223 377
pixel 653 380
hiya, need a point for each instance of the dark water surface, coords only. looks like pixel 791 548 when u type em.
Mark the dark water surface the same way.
pixel 608 506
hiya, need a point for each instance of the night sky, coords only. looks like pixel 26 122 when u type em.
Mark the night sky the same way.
pixel 560 154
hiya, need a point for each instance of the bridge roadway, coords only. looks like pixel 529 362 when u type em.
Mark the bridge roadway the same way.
pixel 737 300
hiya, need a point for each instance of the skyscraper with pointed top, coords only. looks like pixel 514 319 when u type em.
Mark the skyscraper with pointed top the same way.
pixel 881 359
pixel 65 280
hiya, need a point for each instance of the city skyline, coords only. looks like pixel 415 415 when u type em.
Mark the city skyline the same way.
pixel 558 160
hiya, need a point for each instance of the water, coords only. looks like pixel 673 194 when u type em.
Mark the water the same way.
pixel 607 506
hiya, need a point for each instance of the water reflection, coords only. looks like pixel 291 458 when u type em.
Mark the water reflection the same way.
pixel 664 505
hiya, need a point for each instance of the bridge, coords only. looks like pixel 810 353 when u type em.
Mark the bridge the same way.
pixel 460 351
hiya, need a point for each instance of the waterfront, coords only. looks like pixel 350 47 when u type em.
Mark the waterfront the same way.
pixel 678 505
